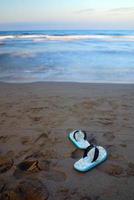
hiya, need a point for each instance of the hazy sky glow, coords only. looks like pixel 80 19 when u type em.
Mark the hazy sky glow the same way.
pixel 66 14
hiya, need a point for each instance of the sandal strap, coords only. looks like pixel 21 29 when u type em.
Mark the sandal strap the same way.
pixel 87 150
pixel 77 131
pixel 96 153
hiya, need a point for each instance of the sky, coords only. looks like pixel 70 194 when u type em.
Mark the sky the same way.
pixel 66 14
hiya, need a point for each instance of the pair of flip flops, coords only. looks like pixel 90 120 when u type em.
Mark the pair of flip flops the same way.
pixel 93 155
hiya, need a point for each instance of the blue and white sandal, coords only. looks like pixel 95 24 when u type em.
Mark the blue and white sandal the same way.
pixel 79 139
pixel 93 156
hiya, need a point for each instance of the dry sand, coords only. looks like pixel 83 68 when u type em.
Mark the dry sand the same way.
pixel 36 157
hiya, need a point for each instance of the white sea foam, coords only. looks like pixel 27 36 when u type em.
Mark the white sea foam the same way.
pixel 29 36
pixel 38 38
pixel 4 37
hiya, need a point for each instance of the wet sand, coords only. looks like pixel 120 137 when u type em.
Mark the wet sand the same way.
pixel 36 157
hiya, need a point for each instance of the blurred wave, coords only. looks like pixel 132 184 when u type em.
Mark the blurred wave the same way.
pixel 73 56
pixel 68 37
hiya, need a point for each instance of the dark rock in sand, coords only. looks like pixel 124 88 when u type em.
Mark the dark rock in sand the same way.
pixel 28 189
pixel 5 164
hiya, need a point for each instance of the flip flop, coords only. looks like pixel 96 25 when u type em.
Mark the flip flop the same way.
pixel 79 139
pixel 93 156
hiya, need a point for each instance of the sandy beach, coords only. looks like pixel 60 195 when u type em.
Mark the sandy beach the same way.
pixel 36 157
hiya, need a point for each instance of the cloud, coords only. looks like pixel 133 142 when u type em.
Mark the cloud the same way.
pixel 120 10
pixel 89 10
pixel 110 11
pixel 100 12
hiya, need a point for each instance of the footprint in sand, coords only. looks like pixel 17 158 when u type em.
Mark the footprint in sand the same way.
pixel 42 136
pixel 105 121
pixel 36 118
pixel 92 139
pixel 115 157
pixel 123 145
pixel 26 167
pixel 29 165
pixel 109 136
pixel 77 153
pixel 4 139
pixel 25 140
pixel 55 175
pixel 35 155
pixel 27 189
pixel 5 164
pixel 112 170
pixel 36 109
pixel 112 153
pixel 63 193
pixel 85 198
pixel 130 169
pixel 45 165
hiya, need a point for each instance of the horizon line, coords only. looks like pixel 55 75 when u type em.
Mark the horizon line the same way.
pixel 103 29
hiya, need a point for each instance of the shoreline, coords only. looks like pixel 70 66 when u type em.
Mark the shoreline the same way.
pixel 64 82
pixel 35 119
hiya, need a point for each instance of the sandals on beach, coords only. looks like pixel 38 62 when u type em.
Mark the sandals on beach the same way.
pixel 79 139
pixel 93 155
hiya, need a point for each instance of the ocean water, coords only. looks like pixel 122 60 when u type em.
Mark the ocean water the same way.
pixel 69 56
